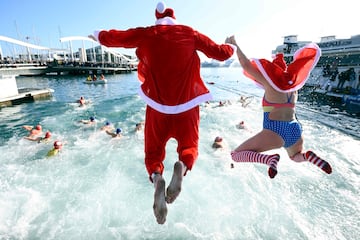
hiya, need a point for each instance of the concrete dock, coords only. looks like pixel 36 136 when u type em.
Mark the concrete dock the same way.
pixel 11 95
pixel 36 69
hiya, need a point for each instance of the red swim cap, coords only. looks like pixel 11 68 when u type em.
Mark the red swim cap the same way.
pixel 47 134
pixel 38 127
pixel 57 144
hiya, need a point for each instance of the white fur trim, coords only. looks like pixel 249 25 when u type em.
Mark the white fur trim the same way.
pixel 166 21
pixel 234 48
pixel 268 79
pixel 96 34
pixel 178 108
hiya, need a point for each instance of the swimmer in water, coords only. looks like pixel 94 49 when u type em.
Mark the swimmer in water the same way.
pixel 33 131
pixel 241 125
pixel 107 127
pixel 82 101
pixel 139 126
pixel 57 147
pixel 117 133
pixel 44 139
pixel 218 143
pixel 90 121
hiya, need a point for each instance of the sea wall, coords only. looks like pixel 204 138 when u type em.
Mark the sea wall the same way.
pixel 8 86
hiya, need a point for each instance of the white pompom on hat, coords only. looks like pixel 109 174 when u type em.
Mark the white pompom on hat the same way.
pixel 161 11
pixel 164 15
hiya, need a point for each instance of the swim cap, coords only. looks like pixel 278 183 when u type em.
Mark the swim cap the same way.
pixel 218 139
pixel 107 123
pixel 118 130
pixel 38 127
pixel 47 134
pixel 57 144
pixel 92 118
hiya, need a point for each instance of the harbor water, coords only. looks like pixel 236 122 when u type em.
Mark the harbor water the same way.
pixel 97 186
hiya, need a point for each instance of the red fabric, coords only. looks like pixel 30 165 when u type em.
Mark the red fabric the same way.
pixel 159 128
pixel 279 61
pixel 295 75
pixel 167 13
pixel 169 65
pixel 169 69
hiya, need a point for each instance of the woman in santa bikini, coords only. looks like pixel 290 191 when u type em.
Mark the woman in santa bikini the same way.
pixel 280 126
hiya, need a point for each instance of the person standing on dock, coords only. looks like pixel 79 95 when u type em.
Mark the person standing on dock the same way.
pixel 169 69
pixel 280 126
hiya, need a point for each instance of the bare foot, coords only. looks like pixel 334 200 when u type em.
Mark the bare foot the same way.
pixel 160 209
pixel 174 187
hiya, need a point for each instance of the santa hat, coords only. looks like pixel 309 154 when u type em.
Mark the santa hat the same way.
pixel 279 61
pixel 292 77
pixel 164 16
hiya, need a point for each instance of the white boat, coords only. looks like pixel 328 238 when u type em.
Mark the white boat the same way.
pixel 104 81
pixel 339 57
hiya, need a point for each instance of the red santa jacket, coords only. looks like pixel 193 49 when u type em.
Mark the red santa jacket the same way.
pixel 169 66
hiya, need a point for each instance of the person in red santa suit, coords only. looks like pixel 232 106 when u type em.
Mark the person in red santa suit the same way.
pixel 169 69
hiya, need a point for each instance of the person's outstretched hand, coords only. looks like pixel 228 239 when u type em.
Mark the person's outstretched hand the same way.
pixel 231 40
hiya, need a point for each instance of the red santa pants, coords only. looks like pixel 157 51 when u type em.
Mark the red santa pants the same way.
pixel 160 127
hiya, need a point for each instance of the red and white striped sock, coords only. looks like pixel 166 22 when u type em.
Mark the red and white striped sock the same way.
pixel 251 156
pixel 322 164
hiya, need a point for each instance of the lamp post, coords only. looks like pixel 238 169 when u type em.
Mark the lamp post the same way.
pixel 28 49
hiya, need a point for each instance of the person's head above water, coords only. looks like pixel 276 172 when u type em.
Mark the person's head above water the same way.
pixel 58 145
pixel 47 134
pixel 118 130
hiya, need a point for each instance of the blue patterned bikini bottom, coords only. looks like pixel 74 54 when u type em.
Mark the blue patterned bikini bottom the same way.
pixel 290 132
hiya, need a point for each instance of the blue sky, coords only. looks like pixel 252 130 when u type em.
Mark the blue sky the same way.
pixel 259 25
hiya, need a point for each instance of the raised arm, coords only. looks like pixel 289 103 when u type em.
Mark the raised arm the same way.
pixel 28 127
pixel 213 50
pixel 110 133
pixel 245 62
